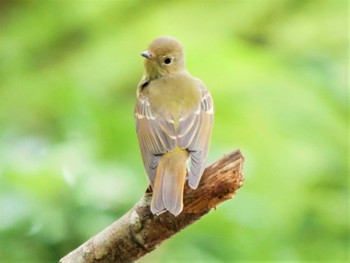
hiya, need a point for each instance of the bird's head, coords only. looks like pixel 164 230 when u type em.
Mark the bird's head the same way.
pixel 164 56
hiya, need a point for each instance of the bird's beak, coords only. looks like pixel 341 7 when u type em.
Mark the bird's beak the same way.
pixel 147 54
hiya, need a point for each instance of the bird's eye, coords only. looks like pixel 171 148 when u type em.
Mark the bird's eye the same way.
pixel 168 61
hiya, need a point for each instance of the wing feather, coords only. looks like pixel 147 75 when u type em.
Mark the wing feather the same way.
pixel 156 136
pixel 194 134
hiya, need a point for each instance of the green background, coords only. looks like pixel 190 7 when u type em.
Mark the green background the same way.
pixel 69 158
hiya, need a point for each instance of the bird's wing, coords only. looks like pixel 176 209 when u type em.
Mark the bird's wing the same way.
pixel 156 136
pixel 194 134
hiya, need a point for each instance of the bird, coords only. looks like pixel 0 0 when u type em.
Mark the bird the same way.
pixel 174 115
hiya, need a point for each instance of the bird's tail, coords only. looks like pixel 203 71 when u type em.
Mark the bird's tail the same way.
pixel 169 183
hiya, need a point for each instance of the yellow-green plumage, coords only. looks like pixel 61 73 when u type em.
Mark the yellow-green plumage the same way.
pixel 174 96
pixel 174 116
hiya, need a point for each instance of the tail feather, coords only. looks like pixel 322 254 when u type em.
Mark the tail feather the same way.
pixel 169 184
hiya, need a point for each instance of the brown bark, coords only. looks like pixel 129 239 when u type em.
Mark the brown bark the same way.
pixel 139 231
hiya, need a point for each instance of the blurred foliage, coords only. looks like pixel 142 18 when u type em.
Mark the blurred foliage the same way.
pixel 69 158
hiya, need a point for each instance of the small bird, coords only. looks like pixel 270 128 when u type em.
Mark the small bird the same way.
pixel 174 118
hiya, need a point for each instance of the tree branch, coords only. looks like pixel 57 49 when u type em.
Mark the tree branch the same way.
pixel 139 231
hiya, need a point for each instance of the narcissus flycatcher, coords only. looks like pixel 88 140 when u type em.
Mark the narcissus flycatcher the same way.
pixel 174 118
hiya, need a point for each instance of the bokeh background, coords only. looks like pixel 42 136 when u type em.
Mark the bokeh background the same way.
pixel 69 158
